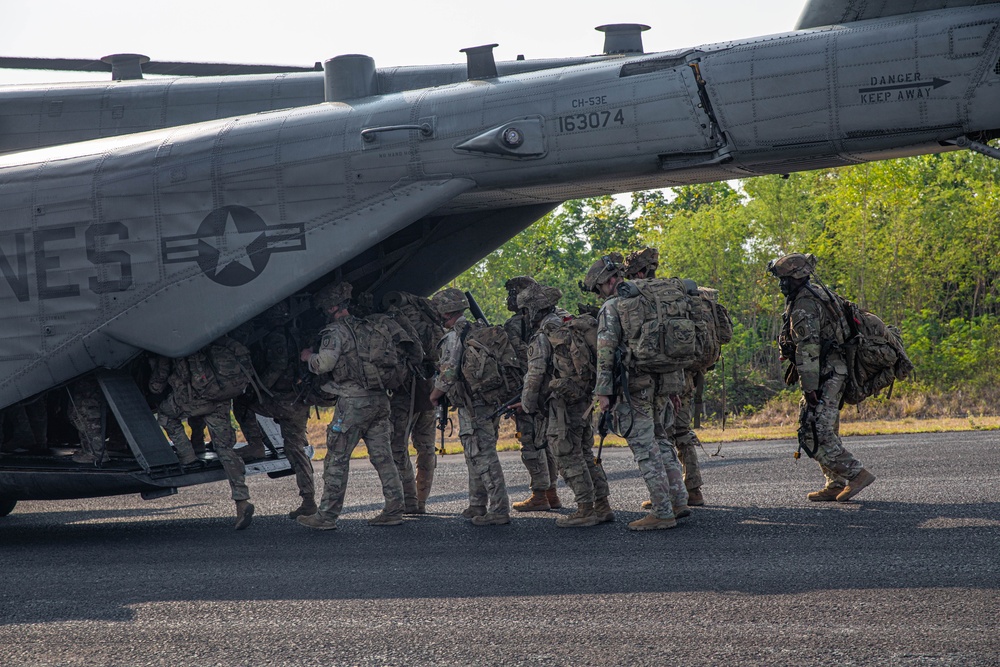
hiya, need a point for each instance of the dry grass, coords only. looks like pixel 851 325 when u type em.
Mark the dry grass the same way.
pixel 909 412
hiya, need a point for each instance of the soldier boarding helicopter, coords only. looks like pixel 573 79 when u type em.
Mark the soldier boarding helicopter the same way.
pixel 403 178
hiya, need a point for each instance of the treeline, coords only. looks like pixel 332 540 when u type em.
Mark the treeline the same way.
pixel 916 240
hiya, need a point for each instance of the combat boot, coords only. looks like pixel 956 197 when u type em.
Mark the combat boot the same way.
pixel 647 504
pixel 244 514
pixel 491 519
pixel 318 522
pixel 472 511
pixel 695 499
pixel 602 509
pixel 384 519
pixel 552 496
pixel 681 511
pixel 855 485
pixel 307 508
pixel 252 452
pixel 826 494
pixel 652 522
pixel 415 508
pixel 538 502
pixel 583 516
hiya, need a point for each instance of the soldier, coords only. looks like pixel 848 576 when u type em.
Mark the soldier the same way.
pixel 643 264
pixel 536 456
pixel 185 401
pixel 635 415
pixel 812 333
pixel 489 504
pixel 278 373
pixel 412 411
pixel 86 411
pixel 555 386
pixel 361 413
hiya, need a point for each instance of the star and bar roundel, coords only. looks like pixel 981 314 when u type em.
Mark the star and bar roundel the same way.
pixel 233 245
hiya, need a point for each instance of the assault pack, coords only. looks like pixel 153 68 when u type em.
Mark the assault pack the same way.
pixel 712 325
pixel 220 371
pixel 386 352
pixel 490 367
pixel 420 314
pixel 874 354
pixel 574 357
pixel 658 325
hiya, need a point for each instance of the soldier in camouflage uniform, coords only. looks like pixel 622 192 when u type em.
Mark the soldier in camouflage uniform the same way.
pixel 537 457
pixel 674 396
pixel 182 403
pixel 812 334
pixel 637 416
pixel 278 373
pixel 489 504
pixel 361 413
pixel 87 412
pixel 569 427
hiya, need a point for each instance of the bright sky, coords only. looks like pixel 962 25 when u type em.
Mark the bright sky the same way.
pixel 393 32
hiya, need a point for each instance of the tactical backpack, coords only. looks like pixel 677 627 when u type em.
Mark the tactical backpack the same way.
pixel 574 357
pixel 490 367
pixel 874 354
pixel 420 314
pixel 221 371
pixel 386 351
pixel 658 325
pixel 713 327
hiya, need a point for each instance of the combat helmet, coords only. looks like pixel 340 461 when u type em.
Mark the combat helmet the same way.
pixel 795 265
pixel 601 271
pixel 515 286
pixel 538 299
pixel 334 294
pixel 449 300
pixel 646 260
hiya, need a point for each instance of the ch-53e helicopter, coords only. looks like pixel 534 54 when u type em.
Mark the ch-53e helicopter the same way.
pixel 156 215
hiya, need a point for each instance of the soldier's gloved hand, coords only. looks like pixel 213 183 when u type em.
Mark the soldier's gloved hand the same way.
pixel 811 398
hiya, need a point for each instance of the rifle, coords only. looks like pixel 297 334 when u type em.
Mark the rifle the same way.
pixel 474 308
pixel 602 430
pixel 441 414
pixel 506 409
pixel 811 421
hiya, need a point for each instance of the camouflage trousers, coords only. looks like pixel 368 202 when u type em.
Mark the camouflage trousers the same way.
pixel 570 434
pixel 87 412
pixel 685 439
pixel 536 456
pixel 838 464
pixel 292 418
pixel 487 487
pixel 666 386
pixel 357 418
pixel 170 415
pixel 655 457
pixel 416 487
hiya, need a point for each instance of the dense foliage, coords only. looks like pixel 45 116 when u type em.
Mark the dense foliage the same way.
pixel 916 241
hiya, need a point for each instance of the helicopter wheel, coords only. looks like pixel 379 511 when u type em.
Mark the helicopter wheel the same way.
pixel 7 506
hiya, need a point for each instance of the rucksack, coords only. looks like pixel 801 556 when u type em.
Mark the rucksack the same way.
pixel 221 370
pixel 712 326
pixel 385 352
pixel 658 325
pixel 574 357
pixel 490 367
pixel 420 314
pixel 874 354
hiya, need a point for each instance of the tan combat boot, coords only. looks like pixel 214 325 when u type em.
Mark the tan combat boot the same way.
pixel 491 519
pixel 652 522
pixel 855 485
pixel 318 522
pixel 695 499
pixel 244 514
pixel 472 511
pixel 538 502
pixel 553 497
pixel 826 494
pixel 383 519
pixel 307 507
pixel 647 504
pixel 583 516
pixel 681 511
pixel 602 509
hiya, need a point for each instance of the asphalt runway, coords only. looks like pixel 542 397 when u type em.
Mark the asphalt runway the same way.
pixel 906 575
